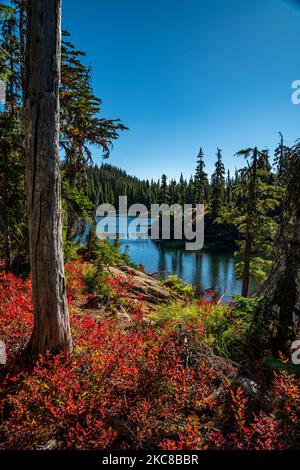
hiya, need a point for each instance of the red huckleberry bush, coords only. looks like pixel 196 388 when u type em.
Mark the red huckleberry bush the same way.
pixel 143 386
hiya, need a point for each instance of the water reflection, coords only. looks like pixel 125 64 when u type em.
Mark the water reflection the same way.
pixel 209 268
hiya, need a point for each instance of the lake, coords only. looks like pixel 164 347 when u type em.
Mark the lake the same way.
pixel 209 268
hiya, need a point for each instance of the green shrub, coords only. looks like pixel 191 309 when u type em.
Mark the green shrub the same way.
pixel 178 287
pixel 109 254
pixel 178 312
pixel 226 331
pixel 71 249
pixel 226 326
pixel 96 282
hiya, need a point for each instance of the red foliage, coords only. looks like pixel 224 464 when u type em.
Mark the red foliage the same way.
pixel 129 388
pixel 15 311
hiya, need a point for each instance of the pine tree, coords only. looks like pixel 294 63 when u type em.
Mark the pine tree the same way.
pixel 164 195
pixel 13 228
pixel 200 181
pixel 81 127
pixel 182 188
pixel 228 188
pixel 217 186
pixel 174 194
pixel 281 155
pixel 255 199
pixel 281 289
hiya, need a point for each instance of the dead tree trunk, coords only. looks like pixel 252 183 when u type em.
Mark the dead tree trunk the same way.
pixel 282 287
pixel 51 330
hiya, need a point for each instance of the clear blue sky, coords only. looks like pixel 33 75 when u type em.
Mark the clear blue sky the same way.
pixel 188 73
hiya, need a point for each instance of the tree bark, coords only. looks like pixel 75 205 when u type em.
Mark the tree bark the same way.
pixel 51 331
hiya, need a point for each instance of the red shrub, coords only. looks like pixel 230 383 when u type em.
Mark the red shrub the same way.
pixel 131 388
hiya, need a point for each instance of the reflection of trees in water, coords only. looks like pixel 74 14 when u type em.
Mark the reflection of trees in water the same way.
pixel 177 258
pixel 177 262
pixel 228 267
pixel 197 272
pixel 209 268
pixel 162 262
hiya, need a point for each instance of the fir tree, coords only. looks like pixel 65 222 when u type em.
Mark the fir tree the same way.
pixel 281 155
pixel 217 186
pixel 200 181
pixel 251 214
pixel 164 195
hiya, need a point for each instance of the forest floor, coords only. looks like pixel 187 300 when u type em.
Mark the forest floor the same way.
pixel 153 368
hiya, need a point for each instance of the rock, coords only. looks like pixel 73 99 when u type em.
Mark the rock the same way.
pixel 122 316
pixel 144 285
pixel 250 387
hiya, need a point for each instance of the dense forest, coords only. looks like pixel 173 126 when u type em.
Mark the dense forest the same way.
pixel 98 354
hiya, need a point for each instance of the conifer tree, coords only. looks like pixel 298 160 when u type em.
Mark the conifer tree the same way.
pixel 281 155
pixel 13 224
pixel 217 186
pixel 164 195
pixel 200 181
pixel 282 287
pixel 81 127
pixel 228 188
pixel 251 213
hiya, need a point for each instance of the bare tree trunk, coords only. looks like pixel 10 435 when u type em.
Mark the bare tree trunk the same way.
pixel 282 287
pixel 51 330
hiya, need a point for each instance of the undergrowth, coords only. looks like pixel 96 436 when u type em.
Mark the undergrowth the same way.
pixel 149 386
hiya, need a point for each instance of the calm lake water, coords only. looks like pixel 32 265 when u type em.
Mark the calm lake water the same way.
pixel 209 268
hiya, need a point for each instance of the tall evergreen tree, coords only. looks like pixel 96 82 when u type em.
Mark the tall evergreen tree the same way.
pixel 200 181
pixel 81 127
pixel 255 199
pixel 217 186
pixel 164 195
pixel 13 223
pixel 228 188
pixel 281 155
pixel 282 287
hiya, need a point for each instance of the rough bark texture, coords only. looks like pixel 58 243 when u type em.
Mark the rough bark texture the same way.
pixel 282 287
pixel 51 321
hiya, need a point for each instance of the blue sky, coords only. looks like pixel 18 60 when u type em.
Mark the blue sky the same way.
pixel 188 73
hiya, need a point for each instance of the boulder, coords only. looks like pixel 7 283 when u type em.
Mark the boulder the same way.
pixel 141 284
